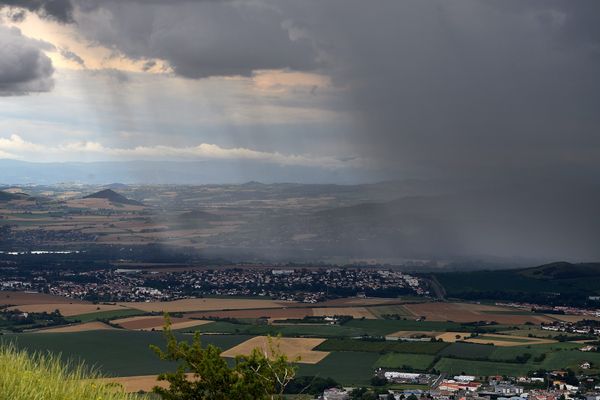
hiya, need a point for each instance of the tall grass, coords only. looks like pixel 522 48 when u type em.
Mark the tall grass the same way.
pixel 39 376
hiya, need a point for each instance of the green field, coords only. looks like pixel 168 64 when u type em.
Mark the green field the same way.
pixel 117 353
pixel 507 353
pixel 419 362
pixel 480 368
pixel 504 338
pixel 379 327
pixel 431 348
pixel 284 330
pixel 106 315
pixel 572 359
pixel 468 350
pixel 347 368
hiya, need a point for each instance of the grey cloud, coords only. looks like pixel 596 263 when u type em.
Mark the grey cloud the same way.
pixel 17 15
pixel 59 10
pixel 148 65
pixel 69 55
pixel 24 68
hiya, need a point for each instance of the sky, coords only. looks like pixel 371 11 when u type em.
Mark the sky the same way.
pixel 498 100
pixel 464 90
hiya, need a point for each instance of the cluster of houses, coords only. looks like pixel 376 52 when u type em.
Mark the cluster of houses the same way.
pixel 554 386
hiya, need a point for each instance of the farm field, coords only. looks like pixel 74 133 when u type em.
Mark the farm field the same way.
pixel 470 312
pixel 114 352
pixel 23 298
pixel 467 350
pixel 150 323
pixel 271 313
pixel 105 315
pixel 86 326
pixel 506 340
pixel 430 348
pixel 354 312
pixel 418 362
pixel 300 349
pixel 204 304
pixel 347 368
pixel 67 309
pixel 480 368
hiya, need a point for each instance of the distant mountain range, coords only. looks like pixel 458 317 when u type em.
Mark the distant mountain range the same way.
pixel 13 172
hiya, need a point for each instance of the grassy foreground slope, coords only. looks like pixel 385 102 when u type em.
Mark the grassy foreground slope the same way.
pixel 27 377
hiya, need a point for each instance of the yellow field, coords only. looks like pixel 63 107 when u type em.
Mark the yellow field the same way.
pixel 88 326
pixel 451 337
pixel 67 310
pixel 188 305
pixel 291 347
pixel 149 323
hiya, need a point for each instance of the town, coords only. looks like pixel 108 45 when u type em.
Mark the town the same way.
pixel 135 285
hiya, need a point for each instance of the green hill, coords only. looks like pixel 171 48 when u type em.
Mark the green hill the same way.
pixel 7 196
pixel 556 283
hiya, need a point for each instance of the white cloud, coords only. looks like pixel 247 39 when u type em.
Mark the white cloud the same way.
pixel 18 148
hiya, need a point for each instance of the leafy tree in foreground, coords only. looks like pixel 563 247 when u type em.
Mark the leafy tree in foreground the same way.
pixel 203 374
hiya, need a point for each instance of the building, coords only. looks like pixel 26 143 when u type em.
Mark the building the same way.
pixel 335 394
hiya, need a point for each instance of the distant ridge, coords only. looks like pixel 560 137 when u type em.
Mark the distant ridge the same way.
pixel 113 197
pixel 563 270
pixel 7 196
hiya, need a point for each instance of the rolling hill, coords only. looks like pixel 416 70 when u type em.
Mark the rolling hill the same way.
pixel 113 197
pixel 8 196
pixel 555 283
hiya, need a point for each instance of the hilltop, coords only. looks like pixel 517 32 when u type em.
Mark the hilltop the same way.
pixel 113 197
pixel 562 270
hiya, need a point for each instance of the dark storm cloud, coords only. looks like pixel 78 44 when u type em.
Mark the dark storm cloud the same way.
pixel 24 68
pixel 59 10
pixel 198 39
pixel 497 99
